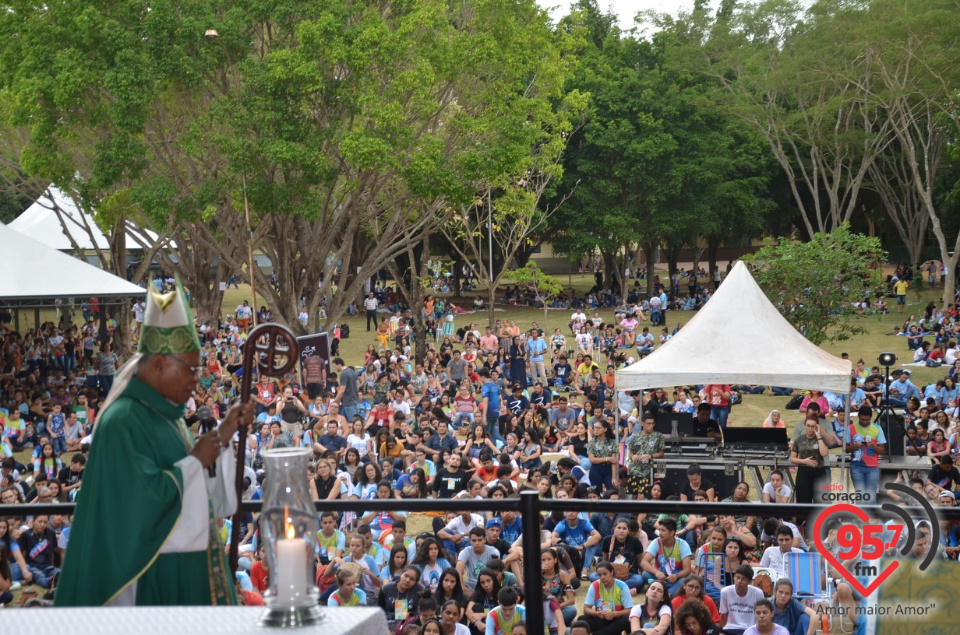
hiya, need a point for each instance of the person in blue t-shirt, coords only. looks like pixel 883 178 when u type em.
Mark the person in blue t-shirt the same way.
pixel 536 347
pixel 581 536
pixel 789 613
pixel 490 405
pixel 511 527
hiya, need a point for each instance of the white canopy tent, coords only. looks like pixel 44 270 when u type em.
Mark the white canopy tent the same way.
pixel 37 272
pixel 41 223
pixel 738 337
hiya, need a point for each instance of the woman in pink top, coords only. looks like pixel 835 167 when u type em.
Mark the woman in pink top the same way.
pixel 816 397
pixel 629 326
pixel 464 407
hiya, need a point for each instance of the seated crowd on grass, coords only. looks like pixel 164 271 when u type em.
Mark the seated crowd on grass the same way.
pixel 484 416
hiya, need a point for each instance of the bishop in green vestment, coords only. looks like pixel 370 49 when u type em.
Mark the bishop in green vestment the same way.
pixel 144 532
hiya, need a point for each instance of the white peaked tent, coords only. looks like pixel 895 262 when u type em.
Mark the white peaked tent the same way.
pixel 33 271
pixel 738 337
pixel 40 222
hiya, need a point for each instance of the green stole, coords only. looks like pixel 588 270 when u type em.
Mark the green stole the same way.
pixel 129 507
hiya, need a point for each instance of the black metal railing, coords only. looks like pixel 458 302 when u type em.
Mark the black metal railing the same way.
pixel 530 506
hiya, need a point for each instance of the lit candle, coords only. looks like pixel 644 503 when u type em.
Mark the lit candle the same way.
pixel 291 567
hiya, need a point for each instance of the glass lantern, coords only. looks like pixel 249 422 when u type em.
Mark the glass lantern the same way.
pixel 288 530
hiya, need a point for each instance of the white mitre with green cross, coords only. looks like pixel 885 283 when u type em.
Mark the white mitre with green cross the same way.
pixel 167 328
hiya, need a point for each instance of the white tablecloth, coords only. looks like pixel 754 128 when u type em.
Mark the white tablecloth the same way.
pixel 182 620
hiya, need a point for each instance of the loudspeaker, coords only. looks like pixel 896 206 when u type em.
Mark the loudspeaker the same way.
pixel 676 478
pixel 894 429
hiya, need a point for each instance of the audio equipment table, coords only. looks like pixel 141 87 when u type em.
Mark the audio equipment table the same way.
pixel 725 472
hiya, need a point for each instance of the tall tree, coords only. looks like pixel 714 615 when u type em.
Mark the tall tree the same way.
pixel 815 283
pixel 342 125
pixel 658 164
pixel 544 287
pixel 913 56
pixel 891 177
pixel 821 129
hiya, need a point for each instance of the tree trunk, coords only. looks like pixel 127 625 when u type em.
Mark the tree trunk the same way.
pixel 673 255
pixel 457 279
pixel 491 301
pixel 609 264
pixel 697 254
pixel 415 293
pixel 118 266
pixel 713 246
pixel 950 280
pixel 619 269
pixel 207 298
pixel 649 251
pixel 194 265
pixel 121 335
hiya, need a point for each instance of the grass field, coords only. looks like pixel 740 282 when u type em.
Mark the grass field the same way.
pixel 878 337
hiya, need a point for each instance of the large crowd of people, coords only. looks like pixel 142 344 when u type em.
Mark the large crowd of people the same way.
pixel 487 413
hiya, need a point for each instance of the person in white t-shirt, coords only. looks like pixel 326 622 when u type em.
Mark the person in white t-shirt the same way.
pixel 577 320
pixel 455 536
pixel 950 355
pixel 137 316
pixel 655 615
pixel 775 490
pixel 737 602
pixel 775 557
pixel 584 342
pixel 400 405
pixel 244 315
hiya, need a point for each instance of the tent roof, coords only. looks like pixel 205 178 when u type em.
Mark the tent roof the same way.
pixel 40 222
pixel 738 337
pixel 36 271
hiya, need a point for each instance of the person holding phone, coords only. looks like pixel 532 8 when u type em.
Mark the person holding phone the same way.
pixel 867 442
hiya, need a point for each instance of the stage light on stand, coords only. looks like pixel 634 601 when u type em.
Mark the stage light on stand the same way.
pixel 887 359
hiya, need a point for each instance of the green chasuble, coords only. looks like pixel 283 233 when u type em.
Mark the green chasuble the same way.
pixel 130 506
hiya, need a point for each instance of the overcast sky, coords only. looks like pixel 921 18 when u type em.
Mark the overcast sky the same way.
pixel 625 9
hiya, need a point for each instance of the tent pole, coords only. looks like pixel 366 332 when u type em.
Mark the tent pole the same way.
pixel 616 433
pixel 843 440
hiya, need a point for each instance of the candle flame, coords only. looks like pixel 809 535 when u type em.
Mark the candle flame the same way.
pixel 288 527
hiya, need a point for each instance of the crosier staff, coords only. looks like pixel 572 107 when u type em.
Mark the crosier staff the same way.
pixel 271 349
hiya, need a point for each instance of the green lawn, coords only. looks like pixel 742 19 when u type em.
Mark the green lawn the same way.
pixel 878 338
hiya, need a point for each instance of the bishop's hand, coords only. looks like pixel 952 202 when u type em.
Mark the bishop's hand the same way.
pixel 207 448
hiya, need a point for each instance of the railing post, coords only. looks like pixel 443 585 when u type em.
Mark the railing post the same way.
pixel 532 586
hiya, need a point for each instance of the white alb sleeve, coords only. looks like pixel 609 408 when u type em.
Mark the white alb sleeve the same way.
pixel 221 488
pixel 192 531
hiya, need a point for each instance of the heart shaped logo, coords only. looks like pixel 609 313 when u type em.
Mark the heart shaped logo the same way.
pixel 849 577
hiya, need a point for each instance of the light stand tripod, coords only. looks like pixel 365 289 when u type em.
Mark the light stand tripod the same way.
pixel 886 411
